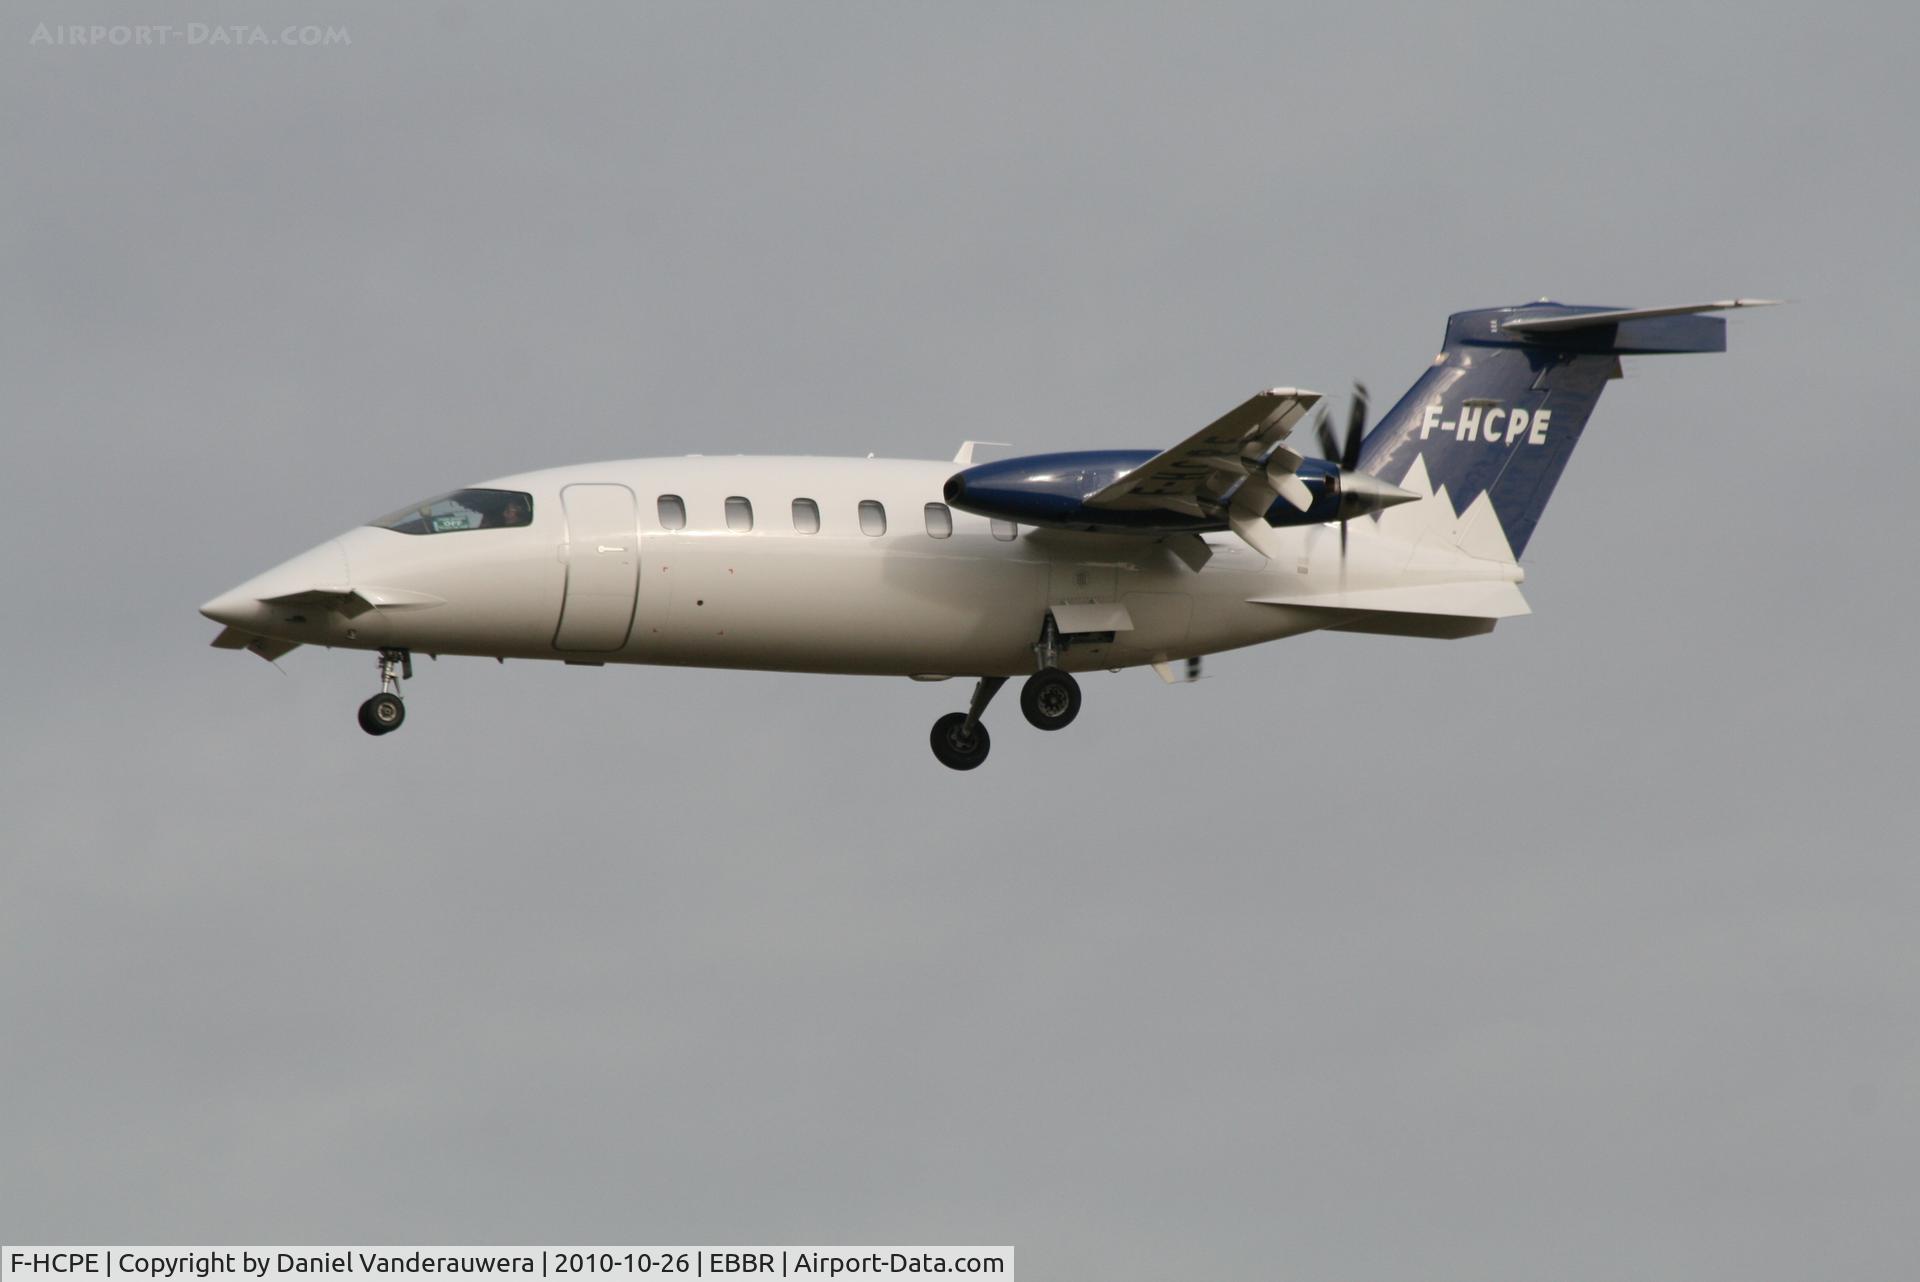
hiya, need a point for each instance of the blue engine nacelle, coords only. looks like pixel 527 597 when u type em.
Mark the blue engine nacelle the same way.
pixel 1051 490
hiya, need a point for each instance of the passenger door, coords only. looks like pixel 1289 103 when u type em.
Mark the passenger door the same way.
pixel 603 565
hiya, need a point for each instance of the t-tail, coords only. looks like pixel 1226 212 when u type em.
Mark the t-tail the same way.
pixel 1503 405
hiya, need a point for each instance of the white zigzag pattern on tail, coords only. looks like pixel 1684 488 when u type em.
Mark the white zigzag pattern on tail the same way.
pixel 1432 526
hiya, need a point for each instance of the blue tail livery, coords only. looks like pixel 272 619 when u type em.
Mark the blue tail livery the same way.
pixel 1503 405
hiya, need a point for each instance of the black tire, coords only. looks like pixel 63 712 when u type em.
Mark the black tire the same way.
pixel 954 752
pixel 382 714
pixel 1050 699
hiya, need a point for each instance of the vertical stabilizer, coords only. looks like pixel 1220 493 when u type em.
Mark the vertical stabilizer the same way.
pixel 1493 421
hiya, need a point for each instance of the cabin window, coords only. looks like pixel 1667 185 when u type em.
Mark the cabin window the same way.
pixel 673 512
pixel 739 515
pixel 939 521
pixel 873 518
pixel 1005 531
pixel 462 510
pixel 806 516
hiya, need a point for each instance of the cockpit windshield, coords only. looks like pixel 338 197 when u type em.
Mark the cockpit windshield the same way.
pixel 462 510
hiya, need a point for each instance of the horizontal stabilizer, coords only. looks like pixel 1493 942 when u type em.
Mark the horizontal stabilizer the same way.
pixel 1637 331
pixel 1483 599
pixel 1563 322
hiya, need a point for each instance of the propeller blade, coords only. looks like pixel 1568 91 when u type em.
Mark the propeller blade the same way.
pixel 1356 428
pixel 1329 448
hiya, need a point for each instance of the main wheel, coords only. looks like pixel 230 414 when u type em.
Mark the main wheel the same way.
pixel 1051 699
pixel 956 749
pixel 382 714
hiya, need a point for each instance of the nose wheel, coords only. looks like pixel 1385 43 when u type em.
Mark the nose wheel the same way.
pixel 959 739
pixel 384 713
pixel 957 747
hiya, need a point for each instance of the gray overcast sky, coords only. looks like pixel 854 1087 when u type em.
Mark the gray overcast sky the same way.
pixel 1583 950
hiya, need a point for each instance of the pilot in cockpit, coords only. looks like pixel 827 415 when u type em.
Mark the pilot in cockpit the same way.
pixel 513 512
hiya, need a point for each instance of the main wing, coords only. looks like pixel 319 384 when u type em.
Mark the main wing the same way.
pixel 1236 466
pixel 1233 472
pixel 1196 476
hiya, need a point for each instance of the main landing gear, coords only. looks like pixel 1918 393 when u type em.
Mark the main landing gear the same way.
pixel 383 713
pixel 1050 700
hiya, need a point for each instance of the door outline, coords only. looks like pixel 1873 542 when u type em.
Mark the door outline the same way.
pixel 591 543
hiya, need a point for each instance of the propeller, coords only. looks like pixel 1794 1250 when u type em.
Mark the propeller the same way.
pixel 1345 454
pixel 1358 493
pixel 1266 468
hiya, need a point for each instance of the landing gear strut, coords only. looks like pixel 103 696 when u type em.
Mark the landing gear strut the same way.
pixel 1051 698
pixel 960 741
pixel 383 713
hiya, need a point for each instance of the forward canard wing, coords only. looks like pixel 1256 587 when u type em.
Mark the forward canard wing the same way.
pixel 1239 459
pixel 356 601
pixel 268 648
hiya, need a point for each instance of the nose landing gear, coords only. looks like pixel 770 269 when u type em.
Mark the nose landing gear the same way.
pixel 383 713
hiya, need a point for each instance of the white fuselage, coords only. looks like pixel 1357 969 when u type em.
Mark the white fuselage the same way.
pixel 596 577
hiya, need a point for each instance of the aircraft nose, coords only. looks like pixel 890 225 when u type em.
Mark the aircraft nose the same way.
pixel 234 608
pixel 321 569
